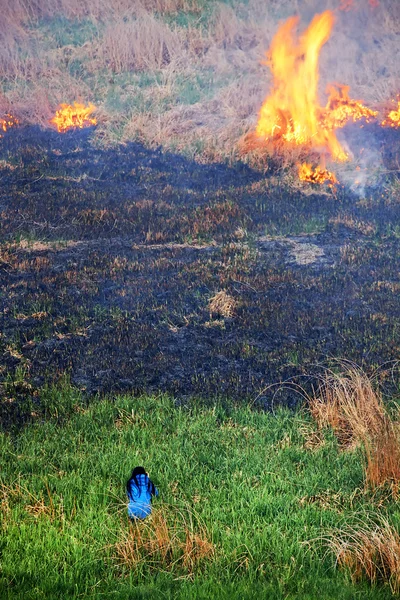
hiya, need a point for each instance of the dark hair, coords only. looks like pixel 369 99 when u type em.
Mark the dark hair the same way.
pixel 133 480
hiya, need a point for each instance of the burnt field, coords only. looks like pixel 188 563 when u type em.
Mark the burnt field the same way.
pixel 109 260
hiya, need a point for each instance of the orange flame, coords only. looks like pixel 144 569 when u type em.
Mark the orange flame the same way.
pixel 292 111
pixel 393 118
pixel 7 122
pixel 341 109
pixel 69 117
pixel 317 175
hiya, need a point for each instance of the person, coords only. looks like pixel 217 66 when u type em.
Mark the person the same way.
pixel 140 490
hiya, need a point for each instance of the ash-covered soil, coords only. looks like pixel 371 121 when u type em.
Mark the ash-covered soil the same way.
pixel 109 260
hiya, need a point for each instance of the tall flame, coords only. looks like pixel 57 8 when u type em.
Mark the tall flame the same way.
pixel 69 117
pixel 291 114
pixel 292 111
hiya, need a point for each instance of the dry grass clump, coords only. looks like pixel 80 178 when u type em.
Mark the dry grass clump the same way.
pixel 141 44
pixel 350 404
pixel 173 541
pixel 371 550
pixel 222 304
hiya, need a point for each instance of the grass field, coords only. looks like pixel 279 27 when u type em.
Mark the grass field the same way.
pixel 248 503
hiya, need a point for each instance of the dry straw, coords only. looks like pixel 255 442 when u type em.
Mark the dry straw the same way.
pixel 369 550
pixel 353 407
pixel 222 304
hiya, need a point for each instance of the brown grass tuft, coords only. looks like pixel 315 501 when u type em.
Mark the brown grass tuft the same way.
pixel 371 550
pixel 173 540
pixel 350 404
pixel 222 304
pixel 141 44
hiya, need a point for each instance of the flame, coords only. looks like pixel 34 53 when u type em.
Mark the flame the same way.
pixel 292 111
pixel 317 175
pixel 7 122
pixel 69 117
pixel 291 114
pixel 393 118
pixel 341 109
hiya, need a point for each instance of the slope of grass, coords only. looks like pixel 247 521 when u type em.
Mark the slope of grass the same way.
pixel 56 52
pixel 241 495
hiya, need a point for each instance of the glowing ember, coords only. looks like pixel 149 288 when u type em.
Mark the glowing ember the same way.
pixel 78 115
pixel 393 118
pixel 7 122
pixel 317 175
pixel 341 109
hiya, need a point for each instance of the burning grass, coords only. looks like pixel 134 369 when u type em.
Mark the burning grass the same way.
pixel 118 54
pixel 76 116
pixel 8 121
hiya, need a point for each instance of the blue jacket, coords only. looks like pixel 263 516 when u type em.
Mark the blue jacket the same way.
pixel 139 506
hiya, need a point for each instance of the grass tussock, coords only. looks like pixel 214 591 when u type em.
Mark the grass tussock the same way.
pixel 139 45
pixel 171 540
pixel 222 304
pixel 351 405
pixel 371 551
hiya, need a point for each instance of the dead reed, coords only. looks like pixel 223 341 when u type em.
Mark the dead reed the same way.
pixel 141 44
pixel 222 304
pixel 353 407
pixel 370 550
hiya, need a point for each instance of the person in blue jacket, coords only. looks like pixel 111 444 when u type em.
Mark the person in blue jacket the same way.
pixel 140 490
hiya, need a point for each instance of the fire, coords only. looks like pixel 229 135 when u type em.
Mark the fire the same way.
pixel 393 118
pixel 292 114
pixel 341 109
pixel 317 175
pixel 7 122
pixel 78 115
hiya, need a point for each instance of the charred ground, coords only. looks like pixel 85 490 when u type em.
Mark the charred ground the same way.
pixel 109 259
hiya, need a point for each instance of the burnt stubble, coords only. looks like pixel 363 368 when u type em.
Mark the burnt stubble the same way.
pixel 109 259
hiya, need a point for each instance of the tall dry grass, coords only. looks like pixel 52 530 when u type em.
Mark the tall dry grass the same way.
pixel 143 44
pixel 352 405
pixel 370 550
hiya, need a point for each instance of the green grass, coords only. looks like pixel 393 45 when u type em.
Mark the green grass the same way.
pixel 246 477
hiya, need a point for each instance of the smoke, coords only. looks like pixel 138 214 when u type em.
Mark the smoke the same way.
pixel 364 171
